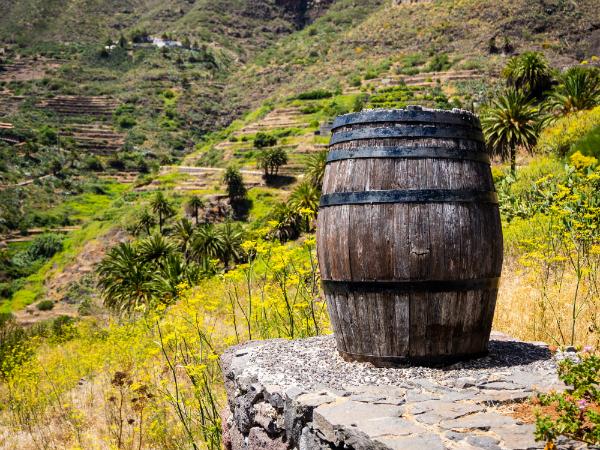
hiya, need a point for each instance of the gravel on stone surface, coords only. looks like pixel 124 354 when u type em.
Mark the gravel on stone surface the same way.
pixel 315 362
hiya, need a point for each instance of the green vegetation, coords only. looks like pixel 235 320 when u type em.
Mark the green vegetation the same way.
pixel 262 140
pixel 529 73
pixel 191 263
pixel 235 184
pixel 270 160
pixel 511 123
pixel 579 90
pixel 565 135
pixel 45 305
pixel 315 95
pixel 574 412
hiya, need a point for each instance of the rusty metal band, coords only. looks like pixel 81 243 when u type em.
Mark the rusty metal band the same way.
pixel 410 115
pixel 423 132
pixel 408 286
pixel 408 196
pixel 408 153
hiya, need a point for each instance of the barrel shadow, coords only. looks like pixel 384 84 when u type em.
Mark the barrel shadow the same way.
pixel 507 354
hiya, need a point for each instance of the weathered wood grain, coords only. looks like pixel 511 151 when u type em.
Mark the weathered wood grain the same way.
pixel 395 242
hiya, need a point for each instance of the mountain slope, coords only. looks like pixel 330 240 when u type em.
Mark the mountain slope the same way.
pixel 230 23
pixel 566 32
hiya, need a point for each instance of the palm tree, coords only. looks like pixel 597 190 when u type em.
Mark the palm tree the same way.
pixel 155 248
pixel 271 159
pixel 579 90
pixel 184 231
pixel 125 280
pixel 235 184
pixel 305 201
pixel 511 122
pixel 529 72
pixel 232 236
pixel 162 208
pixel 144 223
pixel 315 168
pixel 289 222
pixel 170 276
pixel 207 243
pixel 193 206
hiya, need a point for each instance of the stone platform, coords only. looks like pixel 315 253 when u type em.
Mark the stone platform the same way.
pixel 301 395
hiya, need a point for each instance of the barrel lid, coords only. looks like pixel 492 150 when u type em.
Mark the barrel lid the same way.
pixel 417 114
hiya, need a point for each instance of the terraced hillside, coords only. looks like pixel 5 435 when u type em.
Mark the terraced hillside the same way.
pixel 226 22
pixel 419 37
pixel 150 95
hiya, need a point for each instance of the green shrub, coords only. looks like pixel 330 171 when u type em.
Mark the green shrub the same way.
pixel 116 163
pixel 310 109
pixel 561 137
pixel 413 60
pixel 262 140
pixel 317 94
pixel 409 71
pixel 14 350
pixel 168 93
pixel 355 81
pixel 235 184
pixel 47 135
pixel 138 35
pixel 439 63
pixel 576 409
pixel 335 109
pixel 124 109
pixel 93 163
pixel 589 144
pixel 63 328
pixel 371 74
pixel 45 305
pixel 45 246
pixel 126 121
pixel 270 160
pixel 359 103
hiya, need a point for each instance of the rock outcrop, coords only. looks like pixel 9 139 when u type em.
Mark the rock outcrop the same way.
pixel 301 395
pixel 304 11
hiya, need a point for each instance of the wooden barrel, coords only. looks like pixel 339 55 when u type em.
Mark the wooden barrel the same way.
pixel 409 237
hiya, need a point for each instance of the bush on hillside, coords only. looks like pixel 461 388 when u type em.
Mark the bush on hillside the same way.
pixel 126 121
pixel 439 63
pixel 371 74
pixel 45 246
pixel 573 413
pixel 45 305
pixel 310 109
pixel 13 345
pixel 234 184
pixel 139 35
pixel 93 163
pixel 335 109
pixel 116 163
pixel 47 135
pixel 579 89
pixel 589 144
pixel 270 160
pixel 316 94
pixel 355 81
pixel 263 140
pixel 561 137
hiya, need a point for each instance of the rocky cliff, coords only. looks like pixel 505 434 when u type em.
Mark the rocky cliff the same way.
pixel 303 12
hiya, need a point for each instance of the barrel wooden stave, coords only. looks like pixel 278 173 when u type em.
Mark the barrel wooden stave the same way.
pixel 409 241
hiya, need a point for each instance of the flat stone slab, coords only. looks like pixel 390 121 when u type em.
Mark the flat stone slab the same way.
pixel 302 395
